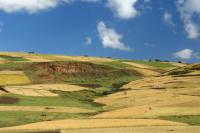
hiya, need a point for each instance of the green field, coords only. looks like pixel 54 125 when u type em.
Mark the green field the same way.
pixel 13 118
pixel 12 58
pixel 82 99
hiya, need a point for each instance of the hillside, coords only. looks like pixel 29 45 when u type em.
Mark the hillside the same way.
pixel 48 92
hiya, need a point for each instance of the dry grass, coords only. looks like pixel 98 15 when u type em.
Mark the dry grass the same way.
pixel 152 129
pixel 13 79
pixel 46 109
pixel 93 123
pixel 48 58
pixel 12 72
pixel 138 65
pixel 143 69
pixel 153 97
pixel 43 89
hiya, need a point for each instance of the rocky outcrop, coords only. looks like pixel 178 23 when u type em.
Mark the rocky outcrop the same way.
pixel 73 68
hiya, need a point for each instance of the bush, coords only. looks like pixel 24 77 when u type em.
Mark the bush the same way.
pixel 102 91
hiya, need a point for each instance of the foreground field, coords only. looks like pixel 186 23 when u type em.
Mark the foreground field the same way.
pixel 150 129
pixel 93 123
pixel 154 97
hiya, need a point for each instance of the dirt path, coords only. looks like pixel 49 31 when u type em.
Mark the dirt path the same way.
pixel 93 123
pixel 46 109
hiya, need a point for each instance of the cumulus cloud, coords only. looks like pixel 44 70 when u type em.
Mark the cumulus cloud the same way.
pixel 168 18
pixel 33 6
pixel 110 38
pixel 88 40
pixel 188 9
pixel 123 9
pixel 185 54
pixel 30 6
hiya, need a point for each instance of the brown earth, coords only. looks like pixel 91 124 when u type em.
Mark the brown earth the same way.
pixel 8 100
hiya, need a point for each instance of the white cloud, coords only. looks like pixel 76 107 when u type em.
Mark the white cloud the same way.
pixel 192 30
pixel 110 38
pixel 184 54
pixel 123 9
pixel 30 6
pixel 33 6
pixel 188 9
pixel 88 40
pixel 168 18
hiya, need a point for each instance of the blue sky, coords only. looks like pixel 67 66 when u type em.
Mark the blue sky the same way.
pixel 134 29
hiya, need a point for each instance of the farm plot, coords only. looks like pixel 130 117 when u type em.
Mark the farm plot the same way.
pixel 13 79
pixel 93 123
pixel 43 89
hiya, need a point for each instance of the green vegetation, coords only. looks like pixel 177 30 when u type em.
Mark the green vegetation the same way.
pixel 102 91
pixel 11 58
pixel 82 99
pixel 109 82
pixel 13 118
pixel 190 119
pixel 116 64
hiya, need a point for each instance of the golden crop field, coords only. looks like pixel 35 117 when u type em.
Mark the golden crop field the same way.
pixel 12 79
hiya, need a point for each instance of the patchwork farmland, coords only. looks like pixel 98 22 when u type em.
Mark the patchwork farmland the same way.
pixel 71 94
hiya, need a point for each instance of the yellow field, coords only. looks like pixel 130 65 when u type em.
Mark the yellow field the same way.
pixel 152 129
pixel 42 89
pixel 11 73
pixel 13 79
pixel 46 109
pixel 153 97
pixel 48 58
pixel 92 123
pixel 143 69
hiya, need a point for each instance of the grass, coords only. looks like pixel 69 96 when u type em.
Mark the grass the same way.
pixel 155 64
pixel 109 82
pixel 12 58
pixel 82 99
pixel 190 119
pixel 13 118
pixel 116 64
pixel 13 79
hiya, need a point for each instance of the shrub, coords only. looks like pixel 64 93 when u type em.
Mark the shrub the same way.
pixel 102 91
